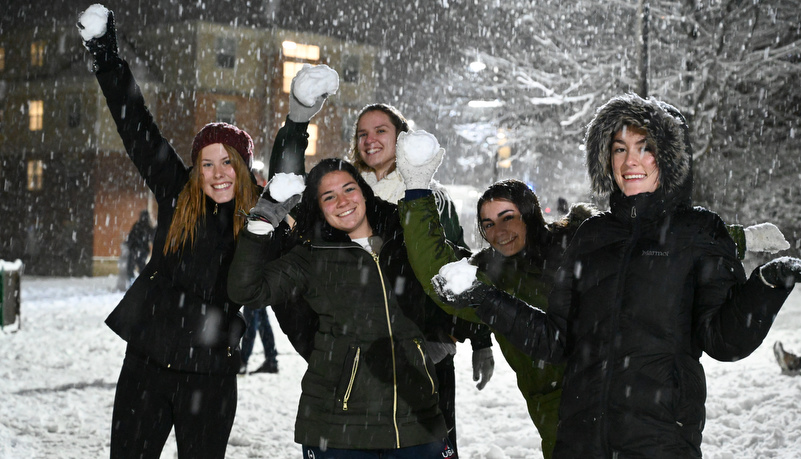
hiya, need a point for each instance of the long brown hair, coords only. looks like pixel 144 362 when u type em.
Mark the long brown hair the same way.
pixel 395 117
pixel 190 209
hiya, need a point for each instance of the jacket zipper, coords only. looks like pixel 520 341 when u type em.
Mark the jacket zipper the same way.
pixel 423 355
pixel 352 379
pixel 621 286
pixel 392 348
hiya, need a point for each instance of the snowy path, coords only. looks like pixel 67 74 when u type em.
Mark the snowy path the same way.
pixel 59 370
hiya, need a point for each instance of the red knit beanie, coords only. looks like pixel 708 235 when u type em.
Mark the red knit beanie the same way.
pixel 226 134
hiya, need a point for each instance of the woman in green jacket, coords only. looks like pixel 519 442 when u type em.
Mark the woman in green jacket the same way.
pixel 370 385
pixel 523 256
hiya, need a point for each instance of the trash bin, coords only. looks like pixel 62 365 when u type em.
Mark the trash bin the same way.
pixel 9 292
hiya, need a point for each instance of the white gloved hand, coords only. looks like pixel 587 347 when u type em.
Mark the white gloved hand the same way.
pixel 310 88
pixel 765 237
pixel 483 366
pixel 418 155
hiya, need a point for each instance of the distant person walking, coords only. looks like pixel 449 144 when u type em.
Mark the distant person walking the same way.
pixel 139 242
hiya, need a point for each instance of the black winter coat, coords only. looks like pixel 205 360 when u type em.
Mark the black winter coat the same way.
pixel 370 383
pixel 177 312
pixel 643 291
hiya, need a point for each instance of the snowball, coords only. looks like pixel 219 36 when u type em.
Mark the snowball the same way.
pixel 765 237
pixel 313 82
pixel 283 186
pixel 94 21
pixel 418 146
pixel 458 276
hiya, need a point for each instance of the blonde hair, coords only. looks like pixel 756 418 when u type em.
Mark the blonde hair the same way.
pixel 190 208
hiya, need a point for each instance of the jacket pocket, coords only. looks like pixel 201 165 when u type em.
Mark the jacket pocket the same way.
pixel 419 345
pixel 348 379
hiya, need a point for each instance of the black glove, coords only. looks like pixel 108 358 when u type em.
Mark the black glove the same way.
pixel 269 210
pixel 103 48
pixel 781 272
pixel 470 298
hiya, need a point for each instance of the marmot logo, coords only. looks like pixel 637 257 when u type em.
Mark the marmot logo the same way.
pixel 655 253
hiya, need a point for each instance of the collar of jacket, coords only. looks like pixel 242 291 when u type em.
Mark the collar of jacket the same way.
pixel 639 207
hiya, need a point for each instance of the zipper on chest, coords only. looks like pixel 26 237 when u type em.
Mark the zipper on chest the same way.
pixel 392 350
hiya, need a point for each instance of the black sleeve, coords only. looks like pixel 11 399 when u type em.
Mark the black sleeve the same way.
pixel 158 163
pixel 732 315
pixel 289 149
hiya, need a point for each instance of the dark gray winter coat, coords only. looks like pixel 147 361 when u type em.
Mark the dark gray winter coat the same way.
pixel 644 290
pixel 370 383
pixel 177 312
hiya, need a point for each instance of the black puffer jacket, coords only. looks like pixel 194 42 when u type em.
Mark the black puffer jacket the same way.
pixel 177 312
pixel 370 383
pixel 296 318
pixel 644 289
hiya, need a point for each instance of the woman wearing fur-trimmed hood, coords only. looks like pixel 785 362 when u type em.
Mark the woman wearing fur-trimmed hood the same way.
pixel 643 291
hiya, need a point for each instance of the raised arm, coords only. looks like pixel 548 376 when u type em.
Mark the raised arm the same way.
pixel 310 89
pixel 156 160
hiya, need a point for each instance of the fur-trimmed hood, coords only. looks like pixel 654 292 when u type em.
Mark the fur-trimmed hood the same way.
pixel 667 130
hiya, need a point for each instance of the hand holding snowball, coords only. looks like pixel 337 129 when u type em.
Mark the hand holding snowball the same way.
pixel 418 155
pixel 96 26
pixel 457 285
pixel 783 272
pixel 310 88
pixel 279 197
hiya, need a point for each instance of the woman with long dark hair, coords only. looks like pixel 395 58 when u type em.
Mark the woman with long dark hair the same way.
pixel 370 385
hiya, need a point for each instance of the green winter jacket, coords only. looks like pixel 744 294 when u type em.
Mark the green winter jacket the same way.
pixel 369 382
pixel 540 383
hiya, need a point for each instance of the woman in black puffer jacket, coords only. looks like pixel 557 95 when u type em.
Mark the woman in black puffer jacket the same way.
pixel 181 327
pixel 644 290
pixel 370 385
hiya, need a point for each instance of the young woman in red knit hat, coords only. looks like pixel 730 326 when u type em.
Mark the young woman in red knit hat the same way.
pixel 182 329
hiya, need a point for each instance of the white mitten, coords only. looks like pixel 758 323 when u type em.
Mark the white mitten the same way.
pixel 765 237
pixel 418 155
pixel 310 88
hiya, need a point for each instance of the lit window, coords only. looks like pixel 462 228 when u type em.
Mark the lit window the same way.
pixel 2 59
pixel 35 114
pixel 311 150
pixel 299 51
pixel 226 111
pixel 37 53
pixel 34 174
pixel 226 52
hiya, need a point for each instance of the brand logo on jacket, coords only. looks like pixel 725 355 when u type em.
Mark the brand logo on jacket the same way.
pixel 655 253
pixel 449 452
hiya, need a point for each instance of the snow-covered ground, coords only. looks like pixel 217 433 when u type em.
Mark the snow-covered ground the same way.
pixel 59 368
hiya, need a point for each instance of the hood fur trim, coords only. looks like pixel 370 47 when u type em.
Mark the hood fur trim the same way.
pixel 666 129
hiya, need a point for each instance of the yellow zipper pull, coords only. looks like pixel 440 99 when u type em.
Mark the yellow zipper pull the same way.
pixel 215 208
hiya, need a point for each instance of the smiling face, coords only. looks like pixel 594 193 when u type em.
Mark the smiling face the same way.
pixel 375 139
pixel 503 226
pixel 217 173
pixel 633 162
pixel 343 205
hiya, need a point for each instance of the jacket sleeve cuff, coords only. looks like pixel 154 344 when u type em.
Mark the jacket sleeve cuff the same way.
pixel 417 194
